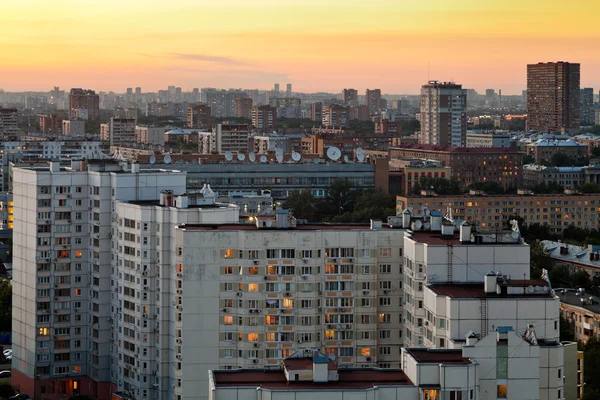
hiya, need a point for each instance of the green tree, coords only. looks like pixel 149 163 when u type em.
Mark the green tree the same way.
pixel 6 390
pixel 370 205
pixel 590 187
pixel 528 159
pixel 302 204
pixel 441 186
pixel 596 151
pixel 488 187
pixel 340 196
pixel 5 305
pixel 540 259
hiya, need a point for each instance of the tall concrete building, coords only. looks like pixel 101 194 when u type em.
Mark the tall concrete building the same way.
pixel 122 131
pixel 553 97
pixel 264 117
pixel 443 114
pixel 287 107
pixel 373 100
pixel 199 117
pixel 84 104
pixel 9 122
pixel 230 137
pixel 242 107
pixel 288 90
pixel 336 116
pixel 350 97
pixel 586 107
pixel 73 127
pixel 316 111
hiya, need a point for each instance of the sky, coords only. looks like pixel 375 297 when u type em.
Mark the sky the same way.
pixel 317 45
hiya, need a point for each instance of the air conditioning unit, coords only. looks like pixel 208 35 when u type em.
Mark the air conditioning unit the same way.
pixel 180 308
pixel 304 277
pixel 386 291
pixel 224 310
pixel 287 294
pixel 256 344
pixel 348 326
pixel 146 288
pixel 178 356
pixel 255 361
pixel 299 341
pixel 266 277
pixel 179 291
pixel 259 310
pixel 365 292
pixel 145 273
pixel 179 340
pixel 239 294
pixel 255 262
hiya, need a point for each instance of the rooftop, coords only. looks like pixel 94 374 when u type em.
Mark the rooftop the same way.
pixel 450 149
pixel 436 238
pixel 438 356
pixel 512 288
pixel 299 227
pixel 275 379
pixel 575 298
pixel 573 254
pixel 557 143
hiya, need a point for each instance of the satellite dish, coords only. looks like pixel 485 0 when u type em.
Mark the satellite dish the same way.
pixel 153 159
pixel 333 153
pixel 427 225
pixel 263 159
pixel 228 156
pixel 181 161
pixel 530 289
pixel 279 155
pixel 167 159
pixel 545 289
pixel 296 156
pixel 241 157
pixel 252 157
pixel 194 161
pixel 514 235
pixel 346 159
pixel 360 154
pixel 315 160
pixel 493 235
pixel 507 236
pixel 418 224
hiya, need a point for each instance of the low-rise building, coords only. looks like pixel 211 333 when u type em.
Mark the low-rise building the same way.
pixel 250 204
pixel 413 170
pixel 151 135
pixel 543 149
pixel 488 139
pixel 557 211
pixel 568 177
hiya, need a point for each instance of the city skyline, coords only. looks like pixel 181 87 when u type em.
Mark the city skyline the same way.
pixel 316 46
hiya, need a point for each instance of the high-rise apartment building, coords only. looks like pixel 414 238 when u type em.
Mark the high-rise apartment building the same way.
pixel 276 87
pixel 122 131
pixel 316 111
pixel 264 117
pixel 50 124
pixel 373 100
pixel 73 127
pixel 443 114
pixel 230 137
pixel 350 97
pixel 9 122
pixel 287 107
pixel 242 107
pixel 199 117
pixel 336 116
pixel 84 104
pixel 288 90
pixel 586 107
pixel 65 277
pixel 553 97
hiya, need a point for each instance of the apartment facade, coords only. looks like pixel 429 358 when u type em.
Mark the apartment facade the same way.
pixel 84 104
pixel 350 97
pixel 553 97
pixel 9 122
pixel 497 140
pixel 586 107
pixel 230 137
pixel 557 211
pixel 443 114
pixel 274 290
pixel 470 165
pixel 73 127
pixel 543 150
pixel 373 100
pixel 287 107
pixel 335 116
pixel 62 268
pixel 264 117
pixel 199 116
pixel 152 135
pixel 316 112
pixel 242 107
pixel 122 131
pixel 568 177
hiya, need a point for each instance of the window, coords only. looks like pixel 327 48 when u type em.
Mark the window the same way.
pixel 253 337
pixel 306 253
pixel 228 320
pixel 387 252
pixel 228 253
pixel 385 269
pixel 501 391
pixel 365 352
pixel 228 353
pixel 365 269
pixel 385 301
pixel 272 253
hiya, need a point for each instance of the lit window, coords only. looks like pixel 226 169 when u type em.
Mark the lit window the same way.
pixel 77 292
pixel 78 254
pixel 76 369
pixel 253 337
pixel 228 320
pixel 229 253
pixel 365 352
pixel 253 287
pixel 501 392
pixel 43 331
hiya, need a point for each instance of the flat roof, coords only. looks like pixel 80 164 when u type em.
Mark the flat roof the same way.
pixel 299 227
pixel 450 149
pixel 275 379
pixel 436 238
pixel 476 290
pixel 571 298
pixel 304 363
pixel 438 356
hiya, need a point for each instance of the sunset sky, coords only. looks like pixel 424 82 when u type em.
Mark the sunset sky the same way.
pixel 317 45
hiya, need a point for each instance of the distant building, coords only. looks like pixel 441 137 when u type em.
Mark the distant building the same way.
pixel 153 135
pixel 50 124
pixel 336 116
pixel 288 90
pixel 443 114
pixel 568 177
pixel 242 107
pixel 263 144
pixel 74 127
pixel 586 107
pixel 316 112
pixel 373 100
pixel 350 97
pixel 489 139
pixel 121 131
pixel 9 122
pixel 500 165
pixel 553 97
pixel 411 171
pixel 543 149
pixel 386 127
pixel 199 117
pixel 264 117
pixel 84 104
pixel 287 107
pixel 360 113
pixel 230 137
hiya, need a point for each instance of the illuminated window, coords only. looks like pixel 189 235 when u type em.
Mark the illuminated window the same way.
pixel 228 320
pixel 228 270
pixel 44 331
pixel 365 352
pixel 78 254
pixel 77 292
pixel 76 369
pixel 179 268
pixel 501 392
pixel 253 337
pixel 272 270
pixel 288 303
pixel 272 320
pixel 253 270
pixel 330 335
pixel 228 253
pixel 253 287
pixel 431 394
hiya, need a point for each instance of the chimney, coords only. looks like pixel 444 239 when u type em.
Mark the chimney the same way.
pixel 406 219
pixel 465 232
pixel 490 282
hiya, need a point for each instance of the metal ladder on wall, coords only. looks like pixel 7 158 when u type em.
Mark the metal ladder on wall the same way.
pixel 483 307
pixel 450 256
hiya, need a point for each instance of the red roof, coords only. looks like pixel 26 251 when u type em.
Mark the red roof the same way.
pixel 438 356
pixel 476 291
pixel 304 363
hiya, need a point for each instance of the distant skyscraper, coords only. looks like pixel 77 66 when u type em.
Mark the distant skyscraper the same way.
pixel 587 109
pixel 264 117
pixel 242 107
pixel 443 114
pixel 138 91
pixel 276 87
pixel 373 100
pixel 84 104
pixel 316 111
pixel 553 97
pixel 350 96
pixel 199 117
pixel 397 105
pixel 288 89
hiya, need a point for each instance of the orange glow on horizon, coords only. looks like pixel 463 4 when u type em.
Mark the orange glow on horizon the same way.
pixel 317 45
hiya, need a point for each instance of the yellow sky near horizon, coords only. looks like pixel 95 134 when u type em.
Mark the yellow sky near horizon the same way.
pixel 315 44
